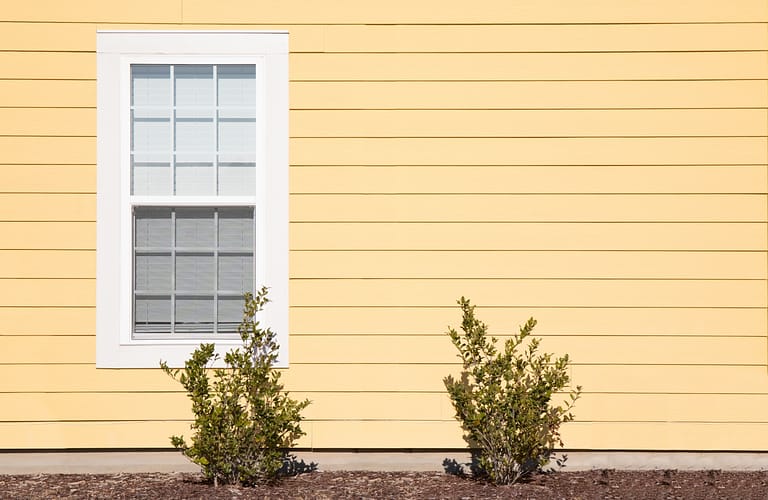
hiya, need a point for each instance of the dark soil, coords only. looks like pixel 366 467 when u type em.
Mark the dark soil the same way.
pixel 601 484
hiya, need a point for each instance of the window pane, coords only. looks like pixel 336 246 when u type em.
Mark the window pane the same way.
pixel 194 314
pixel 230 314
pixel 151 135
pixel 236 228
pixel 237 179
pixel 237 85
pixel 235 273
pixel 153 227
pixel 194 85
pixel 195 228
pixel 195 135
pixel 153 272
pixel 194 273
pixel 195 179
pixel 151 178
pixel 152 314
pixel 150 85
pixel 238 135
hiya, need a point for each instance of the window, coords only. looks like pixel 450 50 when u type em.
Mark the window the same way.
pixel 192 191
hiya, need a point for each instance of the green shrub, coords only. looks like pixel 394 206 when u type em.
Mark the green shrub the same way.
pixel 503 399
pixel 243 420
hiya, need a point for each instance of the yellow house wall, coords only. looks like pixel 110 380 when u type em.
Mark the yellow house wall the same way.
pixel 599 165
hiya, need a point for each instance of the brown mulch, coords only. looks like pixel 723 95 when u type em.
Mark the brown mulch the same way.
pixel 599 484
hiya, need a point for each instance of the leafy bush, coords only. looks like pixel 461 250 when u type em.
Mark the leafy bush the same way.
pixel 243 419
pixel 503 398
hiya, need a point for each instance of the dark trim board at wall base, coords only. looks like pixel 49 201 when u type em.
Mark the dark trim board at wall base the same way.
pixel 116 461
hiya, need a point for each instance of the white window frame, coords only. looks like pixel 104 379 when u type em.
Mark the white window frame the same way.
pixel 116 346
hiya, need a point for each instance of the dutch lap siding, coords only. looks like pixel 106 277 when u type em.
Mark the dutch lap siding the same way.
pixel 599 165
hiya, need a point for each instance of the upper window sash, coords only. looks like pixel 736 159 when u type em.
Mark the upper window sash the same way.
pixel 126 116
pixel 196 129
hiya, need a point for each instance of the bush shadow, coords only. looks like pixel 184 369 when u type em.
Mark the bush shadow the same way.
pixel 464 469
pixel 292 466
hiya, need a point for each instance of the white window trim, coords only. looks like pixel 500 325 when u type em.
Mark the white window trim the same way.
pixel 116 50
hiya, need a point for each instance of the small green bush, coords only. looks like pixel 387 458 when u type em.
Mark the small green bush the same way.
pixel 244 421
pixel 503 398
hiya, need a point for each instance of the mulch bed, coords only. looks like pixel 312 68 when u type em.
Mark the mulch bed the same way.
pixel 599 484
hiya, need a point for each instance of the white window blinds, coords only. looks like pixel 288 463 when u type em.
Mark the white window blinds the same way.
pixel 191 268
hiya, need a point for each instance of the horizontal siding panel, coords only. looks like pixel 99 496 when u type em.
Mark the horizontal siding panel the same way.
pixel 48 65
pixel 84 377
pixel 447 66
pixel 611 378
pixel 48 121
pixel 411 349
pixel 396 434
pixel 95 11
pixel 95 406
pixel 671 379
pixel 673 436
pixel 436 38
pixel 38 349
pixel 47 321
pixel 396 378
pixel 576 435
pixel 494 151
pixel 503 123
pixel 490 208
pixel 48 150
pixel 48 93
pixel 520 265
pixel 535 236
pixel 505 66
pixel 533 293
pixel 551 321
pixel 48 235
pixel 96 435
pixel 48 179
pixel 385 434
pixel 377 406
pixel 47 264
pixel 50 36
pixel 528 95
pixel 529 179
pixel 593 408
pixel 48 292
pixel 176 406
pixel 528 11
pixel 80 37
pixel 671 407
pixel 545 38
pixel 48 207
